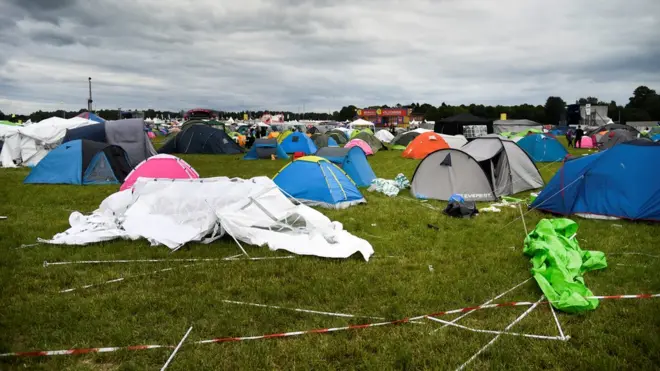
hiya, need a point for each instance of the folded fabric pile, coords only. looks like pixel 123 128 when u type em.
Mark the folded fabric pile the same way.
pixel 390 187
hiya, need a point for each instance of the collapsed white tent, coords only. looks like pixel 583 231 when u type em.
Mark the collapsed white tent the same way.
pixel 175 212
pixel 384 136
pixel 29 144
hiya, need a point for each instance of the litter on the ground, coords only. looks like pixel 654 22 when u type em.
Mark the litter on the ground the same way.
pixel 559 263
pixel 390 187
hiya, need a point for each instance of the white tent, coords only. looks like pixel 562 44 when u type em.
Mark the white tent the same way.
pixel 230 121
pixel 173 213
pixel 454 141
pixel 31 143
pixel 384 136
pixel 360 124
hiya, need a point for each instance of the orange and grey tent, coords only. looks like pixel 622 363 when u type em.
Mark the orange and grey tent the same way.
pixel 424 144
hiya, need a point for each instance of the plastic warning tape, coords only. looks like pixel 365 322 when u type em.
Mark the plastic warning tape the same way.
pixel 305 332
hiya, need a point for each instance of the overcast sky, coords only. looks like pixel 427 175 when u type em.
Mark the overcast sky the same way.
pixel 281 54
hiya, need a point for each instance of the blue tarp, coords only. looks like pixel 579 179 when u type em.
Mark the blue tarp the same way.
pixel 543 148
pixel 618 182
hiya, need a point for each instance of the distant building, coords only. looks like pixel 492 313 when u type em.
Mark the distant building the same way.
pixel 383 117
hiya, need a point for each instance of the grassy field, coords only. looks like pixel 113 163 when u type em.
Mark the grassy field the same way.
pixel 473 260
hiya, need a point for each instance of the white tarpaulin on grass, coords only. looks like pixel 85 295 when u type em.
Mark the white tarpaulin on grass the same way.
pixel 175 212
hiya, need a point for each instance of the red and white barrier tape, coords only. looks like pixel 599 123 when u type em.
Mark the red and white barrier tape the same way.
pixel 316 331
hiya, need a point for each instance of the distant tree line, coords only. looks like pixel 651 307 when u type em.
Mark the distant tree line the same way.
pixel 643 105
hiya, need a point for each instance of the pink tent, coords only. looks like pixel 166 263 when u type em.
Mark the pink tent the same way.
pixel 151 135
pixel 362 144
pixel 586 142
pixel 162 167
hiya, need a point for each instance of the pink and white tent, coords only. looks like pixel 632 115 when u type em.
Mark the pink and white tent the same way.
pixel 362 144
pixel 587 142
pixel 161 167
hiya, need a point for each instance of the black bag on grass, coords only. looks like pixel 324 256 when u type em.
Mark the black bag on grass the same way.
pixel 464 209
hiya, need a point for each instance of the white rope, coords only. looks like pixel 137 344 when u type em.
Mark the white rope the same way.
pixel 300 310
pixel 507 328
pixel 176 349
pixel 561 332
pixel 544 337
pixel 485 303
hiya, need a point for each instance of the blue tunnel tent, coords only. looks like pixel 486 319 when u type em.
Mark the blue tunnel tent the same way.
pixel 264 149
pixel 298 142
pixel 353 161
pixel 543 148
pixel 615 183
pixel 316 181
pixel 128 134
pixel 81 162
pixel 95 133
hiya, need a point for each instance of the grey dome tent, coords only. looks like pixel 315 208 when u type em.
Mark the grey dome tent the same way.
pixel 482 170
pixel 615 137
pixel 373 142
pixel 466 124
pixel 338 136
pixel 324 140
pixel 404 139
pixel 201 139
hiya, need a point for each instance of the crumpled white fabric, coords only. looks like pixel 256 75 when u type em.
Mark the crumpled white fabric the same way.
pixel 175 212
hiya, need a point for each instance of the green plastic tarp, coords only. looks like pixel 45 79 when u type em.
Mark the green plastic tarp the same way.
pixel 558 264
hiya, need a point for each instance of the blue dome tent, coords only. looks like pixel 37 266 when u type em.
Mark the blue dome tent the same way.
pixel 614 183
pixel 316 181
pixel 353 161
pixel 298 142
pixel 264 148
pixel 81 162
pixel 543 148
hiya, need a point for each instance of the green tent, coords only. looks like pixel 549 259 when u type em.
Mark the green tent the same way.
pixel 558 264
pixel 9 123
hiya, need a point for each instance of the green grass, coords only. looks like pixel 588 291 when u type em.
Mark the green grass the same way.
pixel 473 261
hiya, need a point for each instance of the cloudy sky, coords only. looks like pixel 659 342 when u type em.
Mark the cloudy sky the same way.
pixel 323 54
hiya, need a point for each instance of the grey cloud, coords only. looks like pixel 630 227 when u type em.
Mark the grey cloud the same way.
pixel 283 53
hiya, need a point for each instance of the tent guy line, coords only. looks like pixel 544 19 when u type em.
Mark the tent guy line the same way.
pixel 306 332
pixel 507 328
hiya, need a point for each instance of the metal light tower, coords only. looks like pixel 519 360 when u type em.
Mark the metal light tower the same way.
pixel 89 101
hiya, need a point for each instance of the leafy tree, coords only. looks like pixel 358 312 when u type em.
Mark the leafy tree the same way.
pixel 347 113
pixel 555 108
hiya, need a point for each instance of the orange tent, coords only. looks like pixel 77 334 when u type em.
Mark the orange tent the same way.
pixel 424 144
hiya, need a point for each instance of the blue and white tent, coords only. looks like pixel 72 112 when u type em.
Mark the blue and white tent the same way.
pixel 353 161
pixel 298 142
pixel 264 148
pixel 81 162
pixel 316 181
pixel 543 148
pixel 615 183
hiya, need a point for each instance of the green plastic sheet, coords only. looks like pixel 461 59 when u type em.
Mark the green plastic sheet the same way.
pixel 558 264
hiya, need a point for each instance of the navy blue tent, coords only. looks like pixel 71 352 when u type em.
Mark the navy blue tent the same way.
pixel 201 139
pixel 543 148
pixel 353 161
pixel 614 183
pixel 81 162
pixel 94 132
